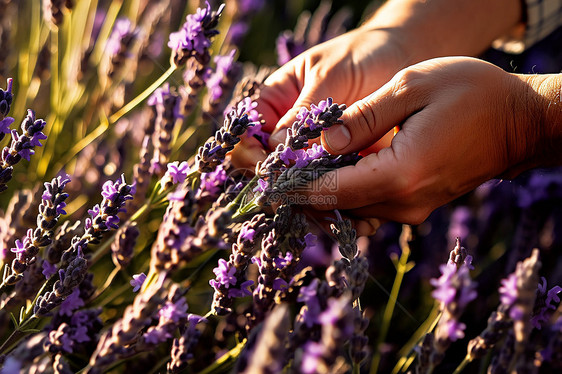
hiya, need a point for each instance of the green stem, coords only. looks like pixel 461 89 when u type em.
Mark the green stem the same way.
pixel 462 365
pixel 144 95
pixel 15 336
pixel 225 359
pixel 401 269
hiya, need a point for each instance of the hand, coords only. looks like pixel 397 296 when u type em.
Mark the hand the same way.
pixel 346 68
pixel 464 121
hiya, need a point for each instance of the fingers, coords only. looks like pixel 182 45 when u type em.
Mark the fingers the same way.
pixel 363 226
pixel 373 179
pixel 247 153
pixel 309 95
pixel 369 119
pixel 281 89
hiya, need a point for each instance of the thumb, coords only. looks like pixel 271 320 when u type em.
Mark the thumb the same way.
pixel 369 119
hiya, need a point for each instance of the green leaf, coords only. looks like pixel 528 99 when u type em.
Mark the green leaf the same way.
pixel 31 330
pixel 22 313
pixel 14 320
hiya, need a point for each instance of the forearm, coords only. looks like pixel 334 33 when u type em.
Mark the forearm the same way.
pixel 434 28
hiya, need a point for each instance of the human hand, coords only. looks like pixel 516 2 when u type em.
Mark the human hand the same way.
pixel 346 68
pixel 464 121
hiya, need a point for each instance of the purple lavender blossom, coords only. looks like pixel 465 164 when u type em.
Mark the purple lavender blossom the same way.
pixel 71 303
pixel 48 269
pixel 6 98
pixel 11 366
pixel 223 67
pixel 543 303
pixel 194 38
pixel 312 355
pixel 212 183
pixel 177 172
pixel 224 274
pixel 137 281
pixel 104 216
pixel 121 29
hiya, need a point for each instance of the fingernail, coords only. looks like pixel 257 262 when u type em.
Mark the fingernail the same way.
pixel 278 137
pixel 337 137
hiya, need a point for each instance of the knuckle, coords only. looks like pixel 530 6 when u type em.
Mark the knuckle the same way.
pixel 405 80
pixel 367 117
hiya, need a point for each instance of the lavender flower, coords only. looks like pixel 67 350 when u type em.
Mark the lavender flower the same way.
pixel 176 173
pixel 21 146
pixel 137 281
pixel 167 104
pixel 311 30
pixel 215 149
pixel 52 204
pixel 543 303
pixel 194 38
pixel 5 103
pixel 118 50
pixel 104 216
pixel 454 289
pixel 124 244
pixel 182 348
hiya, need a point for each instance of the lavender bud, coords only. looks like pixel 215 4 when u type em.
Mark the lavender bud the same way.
pixel 124 244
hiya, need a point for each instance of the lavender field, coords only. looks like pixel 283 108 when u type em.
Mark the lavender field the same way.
pixel 130 243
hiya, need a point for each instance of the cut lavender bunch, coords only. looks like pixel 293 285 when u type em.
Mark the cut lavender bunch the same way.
pixel 215 149
pixel 21 146
pixel 51 208
pixel 194 38
pixel 282 170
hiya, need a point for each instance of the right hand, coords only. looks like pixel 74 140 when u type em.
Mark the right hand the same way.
pixel 346 68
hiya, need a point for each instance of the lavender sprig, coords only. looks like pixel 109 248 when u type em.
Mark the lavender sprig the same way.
pixel 194 38
pixel 214 151
pixel 21 146
pixel 26 250
pixel 6 98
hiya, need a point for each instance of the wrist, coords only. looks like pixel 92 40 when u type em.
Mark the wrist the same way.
pixel 545 117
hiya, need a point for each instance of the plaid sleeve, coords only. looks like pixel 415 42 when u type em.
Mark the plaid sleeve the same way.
pixel 542 18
